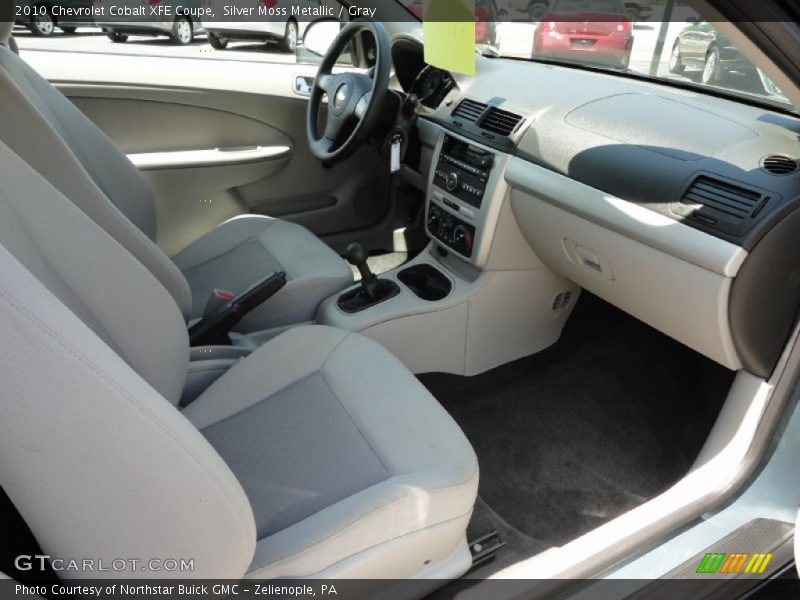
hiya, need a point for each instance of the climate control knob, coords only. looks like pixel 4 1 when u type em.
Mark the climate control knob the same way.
pixel 434 219
pixel 462 240
pixel 452 182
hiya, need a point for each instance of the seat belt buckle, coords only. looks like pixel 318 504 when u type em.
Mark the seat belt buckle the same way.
pixel 217 300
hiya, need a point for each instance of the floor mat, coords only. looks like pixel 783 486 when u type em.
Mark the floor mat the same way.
pixel 567 439
pixel 380 263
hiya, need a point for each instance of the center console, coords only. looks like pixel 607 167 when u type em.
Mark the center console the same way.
pixel 477 296
pixel 461 187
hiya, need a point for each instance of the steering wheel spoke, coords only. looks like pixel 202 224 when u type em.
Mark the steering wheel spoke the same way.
pixel 362 105
pixel 333 129
pixel 324 81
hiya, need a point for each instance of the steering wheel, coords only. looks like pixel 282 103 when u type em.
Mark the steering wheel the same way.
pixel 354 99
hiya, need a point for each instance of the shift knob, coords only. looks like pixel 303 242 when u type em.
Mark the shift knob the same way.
pixel 357 255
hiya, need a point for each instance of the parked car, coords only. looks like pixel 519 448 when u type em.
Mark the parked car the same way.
pixel 286 31
pixel 176 21
pixel 595 31
pixel 486 12
pixel 700 47
pixel 38 16
pixel 535 10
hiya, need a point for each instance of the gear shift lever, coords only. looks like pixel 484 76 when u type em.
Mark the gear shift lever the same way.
pixel 357 255
pixel 372 290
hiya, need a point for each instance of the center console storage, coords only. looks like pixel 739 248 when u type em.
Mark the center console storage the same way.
pixel 477 296
pixel 426 282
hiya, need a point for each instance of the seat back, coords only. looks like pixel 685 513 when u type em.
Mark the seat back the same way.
pixel 93 452
pixel 49 133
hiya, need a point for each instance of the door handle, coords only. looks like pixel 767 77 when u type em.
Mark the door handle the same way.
pixel 303 85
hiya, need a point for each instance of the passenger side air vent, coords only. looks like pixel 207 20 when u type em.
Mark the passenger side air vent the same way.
pixel 469 110
pixel 778 164
pixel 714 201
pixel 500 121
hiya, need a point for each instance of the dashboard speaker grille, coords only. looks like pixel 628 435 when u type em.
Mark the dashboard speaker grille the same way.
pixel 500 121
pixel 722 200
pixel 562 301
pixel 778 164
pixel 469 110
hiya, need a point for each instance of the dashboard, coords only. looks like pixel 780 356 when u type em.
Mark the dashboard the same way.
pixel 677 206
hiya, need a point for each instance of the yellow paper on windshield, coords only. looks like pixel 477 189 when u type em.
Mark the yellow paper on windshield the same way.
pixel 448 29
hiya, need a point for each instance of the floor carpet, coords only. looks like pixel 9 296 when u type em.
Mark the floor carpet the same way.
pixel 567 439
pixel 380 263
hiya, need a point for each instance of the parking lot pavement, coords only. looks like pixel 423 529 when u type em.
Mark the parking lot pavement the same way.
pixel 93 41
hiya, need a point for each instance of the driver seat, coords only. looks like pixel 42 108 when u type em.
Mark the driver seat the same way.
pixel 53 136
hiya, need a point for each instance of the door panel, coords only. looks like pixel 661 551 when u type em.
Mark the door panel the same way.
pixel 210 104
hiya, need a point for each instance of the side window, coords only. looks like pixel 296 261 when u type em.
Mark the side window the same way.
pixel 270 31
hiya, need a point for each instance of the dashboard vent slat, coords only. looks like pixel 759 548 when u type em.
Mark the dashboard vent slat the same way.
pixel 500 121
pixel 489 118
pixel 779 164
pixel 716 198
pixel 469 110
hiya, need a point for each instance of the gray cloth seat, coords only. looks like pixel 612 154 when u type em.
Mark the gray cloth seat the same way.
pixel 317 455
pixel 54 137
pixel 243 249
pixel 339 449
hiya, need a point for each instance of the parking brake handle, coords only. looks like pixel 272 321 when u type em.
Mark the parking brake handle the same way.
pixel 224 310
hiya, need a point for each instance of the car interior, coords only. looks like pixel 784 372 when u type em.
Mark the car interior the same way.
pixel 380 320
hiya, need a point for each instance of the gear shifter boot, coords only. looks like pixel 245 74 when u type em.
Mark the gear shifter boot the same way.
pixel 367 295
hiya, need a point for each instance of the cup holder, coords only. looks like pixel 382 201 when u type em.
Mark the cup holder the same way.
pixel 426 282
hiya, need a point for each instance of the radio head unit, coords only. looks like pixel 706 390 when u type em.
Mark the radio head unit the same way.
pixel 463 170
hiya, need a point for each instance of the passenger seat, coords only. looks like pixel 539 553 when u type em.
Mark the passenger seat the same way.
pixel 319 455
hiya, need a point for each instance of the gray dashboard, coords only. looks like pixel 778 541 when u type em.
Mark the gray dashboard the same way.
pixel 685 157
pixel 645 143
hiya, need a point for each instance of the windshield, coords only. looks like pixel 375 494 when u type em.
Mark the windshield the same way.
pixel 659 39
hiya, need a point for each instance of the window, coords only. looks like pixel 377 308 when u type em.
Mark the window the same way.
pixel 176 29
pixel 662 39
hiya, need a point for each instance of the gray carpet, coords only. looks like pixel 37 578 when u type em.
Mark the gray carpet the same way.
pixel 380 263
pixel 567 439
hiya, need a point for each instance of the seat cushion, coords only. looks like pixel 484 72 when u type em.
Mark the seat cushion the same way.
pixel 342 453
pixel 247 248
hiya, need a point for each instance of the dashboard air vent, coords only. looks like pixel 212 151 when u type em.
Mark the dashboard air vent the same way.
pixel 500 121
pixel 469 110
pixel 778 164
pixel 713 200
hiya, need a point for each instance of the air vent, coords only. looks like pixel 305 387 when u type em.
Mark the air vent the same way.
pixel 778 164
pixel 712 200
pixel 500 121
pixel 469 110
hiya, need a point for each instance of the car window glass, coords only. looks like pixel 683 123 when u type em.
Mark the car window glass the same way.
pixel 661 39
pixel 276 40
